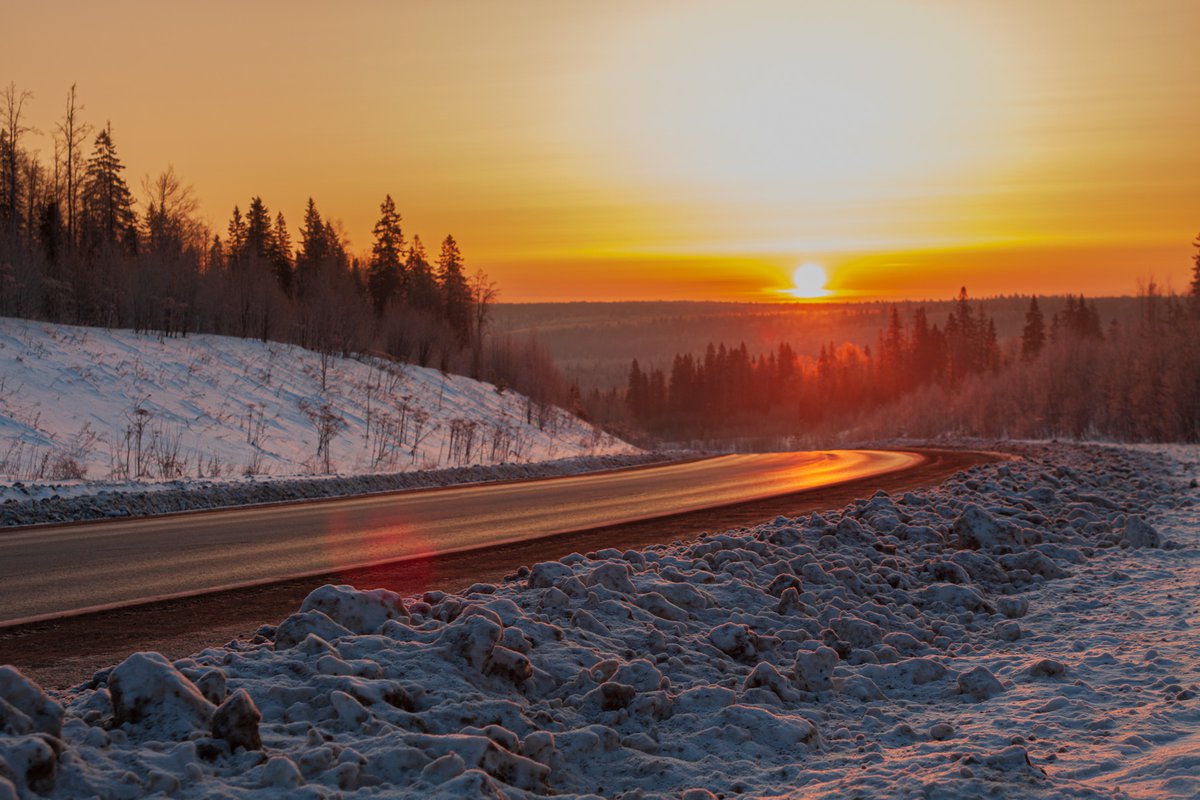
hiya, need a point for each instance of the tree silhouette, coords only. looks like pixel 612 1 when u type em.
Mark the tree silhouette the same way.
pixel 1033 335
pixel 258 242
pixel 70 133
pixel 170 224
pixel 456 294
pixel 422 289
pixel 314 248
pixel 385 272
pixel 107 201
pixel 235 239
pixel 10 149
pixel 280 254
pixel 1196 272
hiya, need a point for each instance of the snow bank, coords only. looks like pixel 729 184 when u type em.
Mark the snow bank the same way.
pixel 107 405
pixel 910 646
pixel 23 504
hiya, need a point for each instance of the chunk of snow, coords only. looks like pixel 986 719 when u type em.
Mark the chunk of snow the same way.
pixel 154 698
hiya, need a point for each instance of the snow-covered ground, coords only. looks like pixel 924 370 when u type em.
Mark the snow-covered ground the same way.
pixel 53 503
pixel 1028 629
pixel 88 409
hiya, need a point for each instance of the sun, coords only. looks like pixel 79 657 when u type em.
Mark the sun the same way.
pixel 808 281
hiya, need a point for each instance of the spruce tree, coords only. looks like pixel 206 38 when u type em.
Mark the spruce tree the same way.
pixel 280 255
pixel 385 272
pixel 1033 335
pixel 108 203
pixel 216 254
pixel 235 240
pixel 635 392
pixel 1196 272
pixel 314 248
pixel 51 233
pixel 258 232
pixel 456 295
pixel 335 249
pixel 421 291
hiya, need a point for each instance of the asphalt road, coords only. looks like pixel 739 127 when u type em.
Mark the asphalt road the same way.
pixel 54 571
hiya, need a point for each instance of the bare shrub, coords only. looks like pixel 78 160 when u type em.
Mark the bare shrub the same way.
pixel 134 461
pixel 65 468
pixel 327 423
pixel 164 449
pixel 462 441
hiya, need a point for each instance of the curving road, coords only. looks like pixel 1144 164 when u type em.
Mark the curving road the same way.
pixel 48 572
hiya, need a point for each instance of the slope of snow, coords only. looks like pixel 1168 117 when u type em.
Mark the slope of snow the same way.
pixel 1028 629
pixel 104 405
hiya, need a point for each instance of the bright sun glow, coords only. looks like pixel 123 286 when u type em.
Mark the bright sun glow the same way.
pixel 808 281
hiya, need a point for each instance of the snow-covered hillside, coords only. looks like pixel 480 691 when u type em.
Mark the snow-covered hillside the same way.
pixel 113 405
pixel 1027 630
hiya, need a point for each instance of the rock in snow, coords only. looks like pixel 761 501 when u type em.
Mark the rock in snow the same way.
pixel 870 652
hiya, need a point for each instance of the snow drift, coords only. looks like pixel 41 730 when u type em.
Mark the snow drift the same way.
pixel 1025 630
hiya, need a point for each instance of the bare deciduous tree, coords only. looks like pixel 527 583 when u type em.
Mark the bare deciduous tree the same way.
pixel 10 138
pixel 70 133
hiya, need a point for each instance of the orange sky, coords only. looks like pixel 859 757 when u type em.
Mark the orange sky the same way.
pixel 642 150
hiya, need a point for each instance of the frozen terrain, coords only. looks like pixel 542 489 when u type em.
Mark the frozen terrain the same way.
pixel 1028 629
pixel 80 407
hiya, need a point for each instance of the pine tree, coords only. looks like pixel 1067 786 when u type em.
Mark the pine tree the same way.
pixel 635 393
pixel 216 254
pixel 456 295
pixel 312 235
pixel 281 253
pixel 924 358
pixel 963 337
pixel 385 273
pixel 108 203
pixel 891 353
pixel 258 232
pixel 422 290
pixel 8 181
pixel 314 249
pixel 1196 272
pixel 990 347
pixel 51 232
pixel 235 239
pixel 335 248
pixel 1033 335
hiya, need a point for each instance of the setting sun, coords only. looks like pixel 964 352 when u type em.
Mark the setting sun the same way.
pixel 808 281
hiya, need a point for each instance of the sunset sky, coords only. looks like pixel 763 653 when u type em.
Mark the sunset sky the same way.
pixel 644 150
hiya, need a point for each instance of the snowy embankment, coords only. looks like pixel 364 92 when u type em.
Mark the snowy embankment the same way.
pixel 84 410
pixel 1028 629
pixel 48 504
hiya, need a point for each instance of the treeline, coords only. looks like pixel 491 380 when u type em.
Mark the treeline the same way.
pixel 1069 376
pixel 77 247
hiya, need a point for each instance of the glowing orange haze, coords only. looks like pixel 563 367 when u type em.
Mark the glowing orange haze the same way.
pixel 671 150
